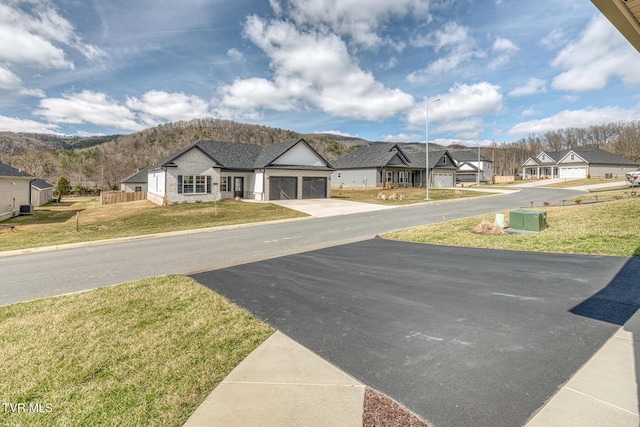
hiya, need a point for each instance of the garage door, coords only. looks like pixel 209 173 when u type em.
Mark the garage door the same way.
pixel 574 172
pixel 441 180
pixel 283 187
pixel 314 188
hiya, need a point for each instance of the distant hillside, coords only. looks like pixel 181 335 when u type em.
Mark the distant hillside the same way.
pixel 105 160
pixel 13 143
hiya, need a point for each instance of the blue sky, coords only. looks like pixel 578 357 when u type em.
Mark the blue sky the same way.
pixel 502 69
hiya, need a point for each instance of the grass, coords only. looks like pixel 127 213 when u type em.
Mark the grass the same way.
pixel 609 228
pixel 142 353
pixel 567 183
pixel 392 196
pixel 55 224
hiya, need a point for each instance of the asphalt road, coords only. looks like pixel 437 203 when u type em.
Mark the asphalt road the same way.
pixel 39 275
pixel 461 336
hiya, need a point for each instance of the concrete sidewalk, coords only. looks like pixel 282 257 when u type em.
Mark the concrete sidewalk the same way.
pixel 605 391
pixel 283 383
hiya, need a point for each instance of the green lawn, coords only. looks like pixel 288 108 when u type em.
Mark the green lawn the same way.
pixel 55 224
pixel 143 353
pixel 401 196
pixel 609 228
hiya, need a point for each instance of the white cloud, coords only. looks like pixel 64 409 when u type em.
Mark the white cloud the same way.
pixel 336 132
pixel 158 106
pixel 575 118
pixel 32 32
pixel 310 69
pixel 532 87
pixel 503 49
pixel 460 109
pixel 600 54
pixel 554 39
pixel 453 39
pixel 11 82
pixel 11 124
pixel 8 80
pixel 88 107
pixel 235 54
pixel 404 137
pixel 358 19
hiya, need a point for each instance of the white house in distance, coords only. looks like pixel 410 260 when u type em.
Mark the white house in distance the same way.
pixel 388 164
pixel 41 192
pixel 211 170
pixel 15 190
pixel 136 182
pixel 470 163
pixel 579 162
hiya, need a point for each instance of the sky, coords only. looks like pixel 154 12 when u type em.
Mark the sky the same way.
pixel 485 71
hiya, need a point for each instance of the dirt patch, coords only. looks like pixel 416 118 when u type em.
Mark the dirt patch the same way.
pixel 487 228
pixel 381 410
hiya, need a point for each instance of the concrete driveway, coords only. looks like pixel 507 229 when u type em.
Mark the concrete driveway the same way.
pixel 461 336
pixel 330 207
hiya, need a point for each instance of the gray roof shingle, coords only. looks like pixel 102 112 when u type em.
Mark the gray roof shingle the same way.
pixel 41 184
pixel 373 155
pixel 6 170
pixel 235 155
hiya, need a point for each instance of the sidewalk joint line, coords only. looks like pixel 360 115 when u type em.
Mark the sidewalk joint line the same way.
pixel 602 401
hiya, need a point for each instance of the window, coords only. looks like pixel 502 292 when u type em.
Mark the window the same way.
pixel 225 183
pixel 573 157
pixel 389 176
pixel 138 189
pixel 444 160
pixel 194 184
pixel 401 177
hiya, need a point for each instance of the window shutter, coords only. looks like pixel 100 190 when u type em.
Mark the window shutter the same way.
pixel 208 184
pixel 179 184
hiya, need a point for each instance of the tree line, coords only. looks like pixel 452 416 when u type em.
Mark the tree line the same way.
pixel 621 138
pixel 103 166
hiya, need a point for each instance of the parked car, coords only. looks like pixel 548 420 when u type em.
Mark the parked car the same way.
pixel 634 177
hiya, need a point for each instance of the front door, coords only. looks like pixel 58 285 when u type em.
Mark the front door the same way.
pixel 238 186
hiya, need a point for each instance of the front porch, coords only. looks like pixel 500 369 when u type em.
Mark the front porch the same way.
pixel 539 172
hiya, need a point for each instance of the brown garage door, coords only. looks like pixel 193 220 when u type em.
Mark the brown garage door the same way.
pixel 283 187
pixel 314 188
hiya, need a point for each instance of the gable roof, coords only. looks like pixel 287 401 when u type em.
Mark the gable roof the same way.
pixel 41 184
pixel 136 177
pixel 587 154
pixel 462 156
pixel 235 155
pixel 6 170
pixel 372 156
pixel 599 156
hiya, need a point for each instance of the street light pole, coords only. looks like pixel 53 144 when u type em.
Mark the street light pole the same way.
pixel 426 133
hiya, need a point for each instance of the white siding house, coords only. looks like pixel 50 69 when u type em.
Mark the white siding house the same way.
pixel 211 170
pixel 15 190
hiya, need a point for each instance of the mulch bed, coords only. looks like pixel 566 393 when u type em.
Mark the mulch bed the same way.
pixel 381 410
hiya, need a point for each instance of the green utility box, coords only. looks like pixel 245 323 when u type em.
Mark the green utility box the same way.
pixel 528 220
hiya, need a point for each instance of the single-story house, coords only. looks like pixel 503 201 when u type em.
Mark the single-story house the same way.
pixel 212 170
pixel 15 190
pixel 136 182
pixel 389 165
pixel 470 163
pixel 580 162
pixel 41 192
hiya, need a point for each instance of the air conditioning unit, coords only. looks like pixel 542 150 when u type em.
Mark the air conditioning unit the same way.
pixel 26 209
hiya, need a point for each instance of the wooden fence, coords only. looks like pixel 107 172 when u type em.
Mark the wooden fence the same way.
pixel 109 197
pixel 497 179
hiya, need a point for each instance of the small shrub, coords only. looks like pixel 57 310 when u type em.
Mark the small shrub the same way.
pixel 578 201
pixel 547 203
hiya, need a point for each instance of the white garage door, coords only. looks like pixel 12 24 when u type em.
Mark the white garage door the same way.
pixel 443 180
pixel 575 172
